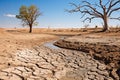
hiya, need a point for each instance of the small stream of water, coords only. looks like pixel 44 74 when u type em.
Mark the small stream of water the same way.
pixel 51 45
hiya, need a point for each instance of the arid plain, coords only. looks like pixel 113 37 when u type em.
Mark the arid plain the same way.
pixel 85 54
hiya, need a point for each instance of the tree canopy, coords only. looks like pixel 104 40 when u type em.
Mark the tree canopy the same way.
pixel 28 15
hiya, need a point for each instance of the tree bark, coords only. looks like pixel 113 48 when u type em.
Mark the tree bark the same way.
pixel 105 26
pixel 30 31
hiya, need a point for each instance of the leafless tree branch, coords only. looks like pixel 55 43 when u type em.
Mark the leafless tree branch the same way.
pixel 116 18
pixel 89 18
pixel 92 11
pixel 111 5
pixel 113 10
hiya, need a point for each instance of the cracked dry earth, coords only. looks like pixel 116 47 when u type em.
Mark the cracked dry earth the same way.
pixel 43 63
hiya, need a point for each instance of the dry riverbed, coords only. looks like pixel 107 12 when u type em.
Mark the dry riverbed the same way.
pixel 42 63
pixel 25 56
pixel 104 47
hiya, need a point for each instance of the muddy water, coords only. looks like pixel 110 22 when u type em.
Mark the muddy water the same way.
pixel 51 44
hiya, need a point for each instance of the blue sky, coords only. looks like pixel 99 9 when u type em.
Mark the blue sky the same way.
pixel 54 14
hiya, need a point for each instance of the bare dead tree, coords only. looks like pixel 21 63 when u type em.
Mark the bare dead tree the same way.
pixel 102 10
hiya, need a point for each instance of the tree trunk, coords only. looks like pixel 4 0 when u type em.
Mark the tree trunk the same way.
pixel 105 26
pixel 30 31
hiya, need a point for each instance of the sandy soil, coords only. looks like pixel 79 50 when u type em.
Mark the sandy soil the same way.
pixel 12 40
pixel 23 57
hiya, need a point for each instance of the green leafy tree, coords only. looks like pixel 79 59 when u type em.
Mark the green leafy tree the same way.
pixel 28 15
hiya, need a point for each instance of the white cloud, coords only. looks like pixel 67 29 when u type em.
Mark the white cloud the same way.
pixel 10 15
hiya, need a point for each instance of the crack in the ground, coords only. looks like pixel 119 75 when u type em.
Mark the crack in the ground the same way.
pixel 45 64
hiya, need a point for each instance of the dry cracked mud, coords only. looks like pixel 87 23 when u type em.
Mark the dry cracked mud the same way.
pixel 43 63
pixel 104 48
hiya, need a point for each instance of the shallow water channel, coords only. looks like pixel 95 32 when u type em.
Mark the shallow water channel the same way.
pixel 51 44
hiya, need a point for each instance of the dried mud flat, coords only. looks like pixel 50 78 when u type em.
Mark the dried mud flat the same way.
pixel 43 63
pixel 12 40
pixel 104 47
pixel 23 57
